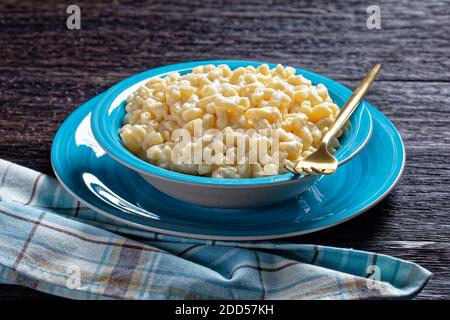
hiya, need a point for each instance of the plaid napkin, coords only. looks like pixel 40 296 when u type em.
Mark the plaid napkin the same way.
pixel 52 243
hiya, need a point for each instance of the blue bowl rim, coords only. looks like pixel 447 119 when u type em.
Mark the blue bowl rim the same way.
pixel 125 157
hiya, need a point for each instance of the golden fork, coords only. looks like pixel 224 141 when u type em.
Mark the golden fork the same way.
pixel 322 161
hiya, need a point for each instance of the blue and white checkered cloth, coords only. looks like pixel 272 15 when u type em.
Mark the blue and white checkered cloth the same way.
pixel 52 243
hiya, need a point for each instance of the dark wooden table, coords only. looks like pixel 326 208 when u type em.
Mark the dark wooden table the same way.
pixel 46 71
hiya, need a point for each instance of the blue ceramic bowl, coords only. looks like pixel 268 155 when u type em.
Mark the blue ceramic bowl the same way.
pixel 107 118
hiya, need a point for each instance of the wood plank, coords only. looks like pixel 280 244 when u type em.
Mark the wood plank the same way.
pixel 412 44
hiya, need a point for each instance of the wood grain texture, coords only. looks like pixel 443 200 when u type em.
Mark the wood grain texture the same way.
pixel 46 71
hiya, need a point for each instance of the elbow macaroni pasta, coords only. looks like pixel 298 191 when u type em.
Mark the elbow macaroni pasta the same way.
pixel 223 103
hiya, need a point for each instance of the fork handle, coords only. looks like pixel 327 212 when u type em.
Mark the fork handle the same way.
pixel 352 103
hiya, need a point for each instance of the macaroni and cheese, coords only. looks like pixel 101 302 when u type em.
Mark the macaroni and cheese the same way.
pixel 207 121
